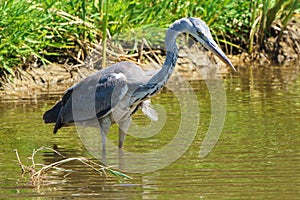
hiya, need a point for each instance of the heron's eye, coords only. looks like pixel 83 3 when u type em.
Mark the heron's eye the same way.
pixel 202 36
pixel 200 33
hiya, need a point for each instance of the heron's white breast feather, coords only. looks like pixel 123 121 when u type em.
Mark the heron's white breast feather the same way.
pixel 149 111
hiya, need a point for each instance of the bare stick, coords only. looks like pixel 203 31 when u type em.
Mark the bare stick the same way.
pixel 20 163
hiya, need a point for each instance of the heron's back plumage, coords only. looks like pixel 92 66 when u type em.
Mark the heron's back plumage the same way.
pixel 97 95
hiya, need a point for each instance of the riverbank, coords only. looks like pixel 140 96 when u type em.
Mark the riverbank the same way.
pixel 35 80
pixel 42 82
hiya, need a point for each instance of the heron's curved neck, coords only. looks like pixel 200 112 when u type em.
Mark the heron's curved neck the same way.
pixel 163 75
pixel 158 80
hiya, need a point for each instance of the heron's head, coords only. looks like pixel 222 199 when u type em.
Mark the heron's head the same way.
pixel 200 31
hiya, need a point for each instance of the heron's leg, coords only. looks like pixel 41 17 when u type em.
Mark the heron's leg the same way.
pixel 105 124
pixel 122 136
pixel 121 159
pixel 123 128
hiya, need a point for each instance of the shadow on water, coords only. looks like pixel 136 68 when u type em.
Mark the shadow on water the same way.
pixel 257 155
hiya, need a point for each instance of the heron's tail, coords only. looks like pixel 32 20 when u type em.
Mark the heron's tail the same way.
pixel 51 115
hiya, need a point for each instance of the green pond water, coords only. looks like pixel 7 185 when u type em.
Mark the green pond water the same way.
pixel 257 155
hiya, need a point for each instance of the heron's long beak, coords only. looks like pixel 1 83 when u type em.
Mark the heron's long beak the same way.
pixel 211 45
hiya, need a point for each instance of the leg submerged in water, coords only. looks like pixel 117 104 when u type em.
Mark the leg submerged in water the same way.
pixel 123 128
pixel 122 136
pixel 104 128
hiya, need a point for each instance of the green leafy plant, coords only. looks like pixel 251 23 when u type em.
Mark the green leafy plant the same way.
pixel 263 15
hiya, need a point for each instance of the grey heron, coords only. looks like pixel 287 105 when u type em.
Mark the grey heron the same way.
pixel 113 94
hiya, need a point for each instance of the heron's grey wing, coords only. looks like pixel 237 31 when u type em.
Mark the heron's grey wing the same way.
pixel 93 97
pixel 110 89
pixel 97 96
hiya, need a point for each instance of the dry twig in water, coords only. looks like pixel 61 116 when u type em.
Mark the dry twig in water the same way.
pixel 36 175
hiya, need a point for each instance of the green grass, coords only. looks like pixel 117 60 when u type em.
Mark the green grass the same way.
pixel 47 30
pixel 42 29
